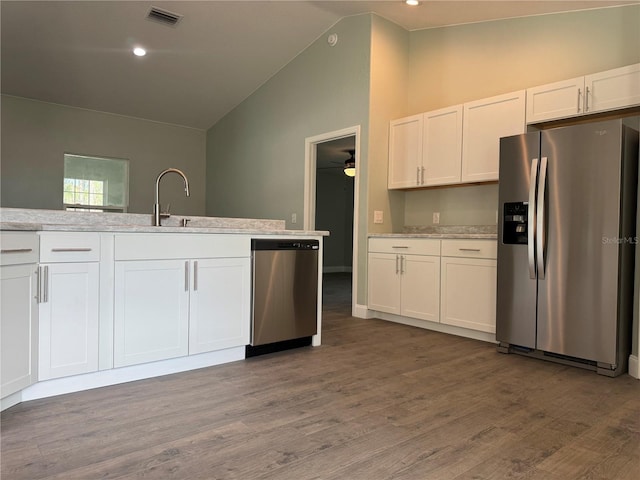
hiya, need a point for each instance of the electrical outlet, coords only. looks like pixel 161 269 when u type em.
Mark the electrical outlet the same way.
pixel 294 218
pixel 436 217
pixel 377 216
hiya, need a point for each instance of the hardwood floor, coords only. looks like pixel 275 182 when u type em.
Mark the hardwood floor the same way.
pixel 377 401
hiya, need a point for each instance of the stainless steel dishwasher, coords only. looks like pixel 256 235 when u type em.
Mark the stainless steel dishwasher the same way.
pixel 285 294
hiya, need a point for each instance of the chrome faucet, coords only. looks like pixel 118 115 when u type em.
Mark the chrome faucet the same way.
pixel 157 216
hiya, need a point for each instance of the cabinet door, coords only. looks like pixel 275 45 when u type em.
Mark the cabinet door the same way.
pixel 617 88
pixel 384 282
pixel 220 304
pixel 468 296
pixel 18 324
pixel 555 100
pixel 68 313
pixel 420 297
pixel 442 146
pixel 485 122
pixel 405 152
pixel 151 311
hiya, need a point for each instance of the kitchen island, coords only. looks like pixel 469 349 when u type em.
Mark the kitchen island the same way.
pixel 95 299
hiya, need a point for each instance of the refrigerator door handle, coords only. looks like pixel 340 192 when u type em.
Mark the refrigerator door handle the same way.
pixel 531 219
pixel 540 217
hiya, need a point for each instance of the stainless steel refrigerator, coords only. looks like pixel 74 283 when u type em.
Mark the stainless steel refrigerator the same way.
pixel 567 242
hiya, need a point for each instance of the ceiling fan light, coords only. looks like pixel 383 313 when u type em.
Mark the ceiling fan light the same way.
pixel 350 168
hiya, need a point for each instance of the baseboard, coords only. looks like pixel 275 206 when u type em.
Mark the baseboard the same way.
pixel 361 311
pixel 634 366
pixel 104 378
pixel 337 269
pixel 436 327
pixel 10 401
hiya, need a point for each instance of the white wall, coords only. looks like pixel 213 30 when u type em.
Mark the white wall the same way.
pixel 36 135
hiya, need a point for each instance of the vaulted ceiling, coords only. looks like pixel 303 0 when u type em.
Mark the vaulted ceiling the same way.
pixel 79 52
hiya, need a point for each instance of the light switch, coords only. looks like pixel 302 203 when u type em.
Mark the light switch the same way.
pixel 377 216
pixel 436 217
pixel 294 218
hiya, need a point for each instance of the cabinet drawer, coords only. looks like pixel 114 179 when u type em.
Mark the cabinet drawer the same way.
pixel 69 247
pixel 414 246
pixel 168 246
pixel 470 248
pixel 18 248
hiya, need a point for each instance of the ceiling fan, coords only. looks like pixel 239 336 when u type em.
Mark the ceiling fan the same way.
pixel 349 165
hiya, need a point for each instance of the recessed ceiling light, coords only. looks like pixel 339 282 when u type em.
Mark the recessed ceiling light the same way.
pixel 413 3
pixel 139 52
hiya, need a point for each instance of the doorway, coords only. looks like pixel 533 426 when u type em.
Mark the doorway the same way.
pixel 331 199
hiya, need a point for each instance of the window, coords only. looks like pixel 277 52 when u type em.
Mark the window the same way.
pixel 95 184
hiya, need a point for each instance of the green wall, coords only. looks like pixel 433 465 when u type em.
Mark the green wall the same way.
pixel 36 135
pixel 453 65
pixel 256 153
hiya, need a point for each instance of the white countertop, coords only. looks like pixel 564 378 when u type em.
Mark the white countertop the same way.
pixel 486 236
pixel 17 219
pixel 488 232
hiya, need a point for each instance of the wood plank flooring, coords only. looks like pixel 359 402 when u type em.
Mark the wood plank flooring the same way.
pixel 377 401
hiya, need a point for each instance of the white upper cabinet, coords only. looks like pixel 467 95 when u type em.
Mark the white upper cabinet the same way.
pixel 555 100
pixel 484 123
pixel 599 92
pixel 442 146
pixel 617 88
pixel 405 152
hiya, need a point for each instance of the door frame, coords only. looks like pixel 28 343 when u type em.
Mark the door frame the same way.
pixel 310 163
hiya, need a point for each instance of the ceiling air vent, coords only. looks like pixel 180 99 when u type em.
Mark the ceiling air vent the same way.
pixel 163 16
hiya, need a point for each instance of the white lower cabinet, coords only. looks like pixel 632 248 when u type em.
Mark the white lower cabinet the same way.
pixel 18 328
pixel 151 312
pixel 68 312
pixel 69 289
pixel 220 299
pixel 172 307
pixel 406 284
pixel 18 312
pixel 468 295
pixel 457 288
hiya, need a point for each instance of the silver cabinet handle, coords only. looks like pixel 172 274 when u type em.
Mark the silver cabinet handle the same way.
pixel 422 181
pixel 39 285
pixel 403 264
pixel 71 250
pixel 46 283
pixel 469 249
pixel 540 220
pixel 417 175
pixel 397 266
pixel 399 246
pixel 16 250
pixel 586 99
pixel 186 276
pixel 579 95
pixel 531 219
pixel 195 275
pixel 43 284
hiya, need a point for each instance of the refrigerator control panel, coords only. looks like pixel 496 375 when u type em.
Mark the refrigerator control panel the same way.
pixel 514 229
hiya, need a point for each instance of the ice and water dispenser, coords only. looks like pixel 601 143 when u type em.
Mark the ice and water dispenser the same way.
pixel 514 229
